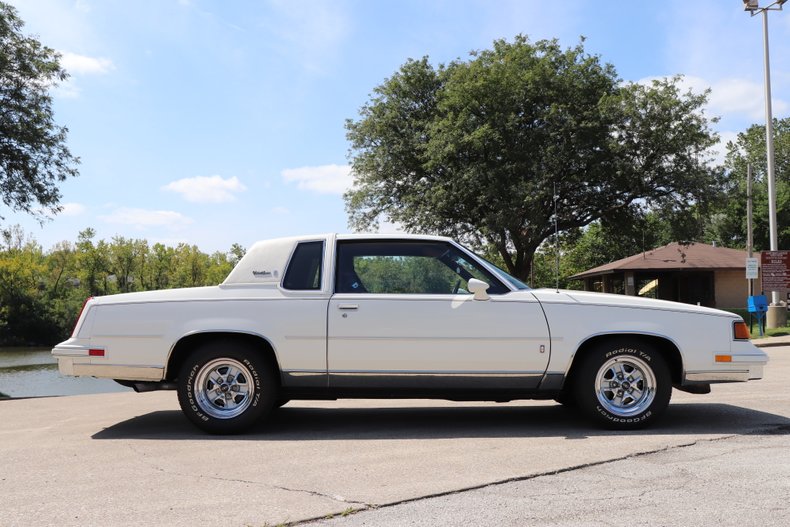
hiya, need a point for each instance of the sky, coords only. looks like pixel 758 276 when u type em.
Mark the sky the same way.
pixel 215 122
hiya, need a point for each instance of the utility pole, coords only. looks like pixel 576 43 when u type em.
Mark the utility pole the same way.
pixel 777 311
pixel 749 239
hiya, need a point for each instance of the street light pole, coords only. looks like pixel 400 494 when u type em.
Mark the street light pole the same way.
pixel 753 7
pixel 769 152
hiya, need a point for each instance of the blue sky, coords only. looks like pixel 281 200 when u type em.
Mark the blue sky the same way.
pixel 214 122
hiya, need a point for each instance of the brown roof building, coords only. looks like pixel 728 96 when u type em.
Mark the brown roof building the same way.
pixel 696 274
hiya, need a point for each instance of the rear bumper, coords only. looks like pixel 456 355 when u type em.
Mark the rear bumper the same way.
pixel 78 368
pixel 75 360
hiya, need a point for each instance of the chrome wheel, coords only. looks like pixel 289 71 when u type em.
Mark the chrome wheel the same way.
pixel 625 386
pixel 224 388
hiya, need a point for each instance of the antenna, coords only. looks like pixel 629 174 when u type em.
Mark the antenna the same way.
pixel 557 238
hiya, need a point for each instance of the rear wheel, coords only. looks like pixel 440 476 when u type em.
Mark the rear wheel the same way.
pixel 623 384
pixel 226 387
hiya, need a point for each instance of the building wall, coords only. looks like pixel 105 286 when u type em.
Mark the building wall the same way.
pixel 732 288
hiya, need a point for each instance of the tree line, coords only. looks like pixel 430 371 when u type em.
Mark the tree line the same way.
pixel 41 292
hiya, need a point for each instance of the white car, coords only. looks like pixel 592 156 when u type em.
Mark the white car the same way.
pixel 375 316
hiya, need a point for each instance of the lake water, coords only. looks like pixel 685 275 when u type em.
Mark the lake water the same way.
pixel 33 372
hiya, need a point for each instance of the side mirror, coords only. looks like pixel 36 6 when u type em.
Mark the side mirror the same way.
pixel 478 288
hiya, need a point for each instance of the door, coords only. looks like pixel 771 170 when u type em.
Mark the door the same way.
pixel 402 317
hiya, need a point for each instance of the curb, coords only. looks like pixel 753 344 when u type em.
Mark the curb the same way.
pixel 770 342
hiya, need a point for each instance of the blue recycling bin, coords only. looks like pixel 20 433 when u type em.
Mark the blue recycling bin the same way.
pixel 758 304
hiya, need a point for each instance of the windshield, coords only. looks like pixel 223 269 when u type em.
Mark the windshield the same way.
pixel 512 280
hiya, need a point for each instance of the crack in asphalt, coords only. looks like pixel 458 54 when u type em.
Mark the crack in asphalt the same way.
pixel 339 499
pixel 766 429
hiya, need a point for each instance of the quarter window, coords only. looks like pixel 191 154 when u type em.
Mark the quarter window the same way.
pixel 304 270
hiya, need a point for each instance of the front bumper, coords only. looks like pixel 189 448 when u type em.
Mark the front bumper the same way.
pixel 741 368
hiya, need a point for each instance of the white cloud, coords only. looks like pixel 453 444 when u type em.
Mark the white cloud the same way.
pixel 324 179
pixel 82 5
pixel 83 65
pixel 741 96
pixel 143 218
pixel 731 96
pixel 72 209
pixel 207 189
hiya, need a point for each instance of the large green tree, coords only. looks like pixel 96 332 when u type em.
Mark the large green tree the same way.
pixel 474 149
pixel 728 226
pixel 34 157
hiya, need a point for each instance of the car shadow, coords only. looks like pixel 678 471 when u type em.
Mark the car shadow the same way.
pixel 294 423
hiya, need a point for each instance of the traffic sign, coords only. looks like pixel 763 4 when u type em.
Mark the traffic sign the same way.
pixel 752 269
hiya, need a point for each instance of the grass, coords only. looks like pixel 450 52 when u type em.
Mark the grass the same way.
pixel 770 332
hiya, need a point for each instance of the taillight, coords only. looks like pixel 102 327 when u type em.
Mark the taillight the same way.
pixel 74 331
pixel 741 331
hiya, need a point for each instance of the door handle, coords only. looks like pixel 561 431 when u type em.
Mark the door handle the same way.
pixel 348 306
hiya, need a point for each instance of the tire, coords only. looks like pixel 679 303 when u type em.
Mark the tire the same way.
pixel 226 387
pixel 623 384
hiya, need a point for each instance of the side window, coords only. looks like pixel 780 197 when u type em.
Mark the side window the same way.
pixel 407 268
pixel 304 269
pixel 406 274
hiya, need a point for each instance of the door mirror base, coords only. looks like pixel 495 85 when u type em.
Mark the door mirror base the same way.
pixel 478 288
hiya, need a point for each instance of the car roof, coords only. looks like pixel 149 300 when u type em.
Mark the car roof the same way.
pixel 391 236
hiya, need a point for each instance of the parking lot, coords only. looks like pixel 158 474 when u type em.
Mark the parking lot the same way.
pixel 134 459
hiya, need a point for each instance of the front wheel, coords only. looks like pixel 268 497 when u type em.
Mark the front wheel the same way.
pixel 623 385
pixel 226 387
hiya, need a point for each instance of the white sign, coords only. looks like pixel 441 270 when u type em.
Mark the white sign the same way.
pixel 752 268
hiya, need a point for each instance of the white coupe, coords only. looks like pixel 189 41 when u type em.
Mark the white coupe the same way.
pixel 375 316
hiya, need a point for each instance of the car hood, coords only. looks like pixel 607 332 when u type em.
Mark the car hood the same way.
pixel 614 300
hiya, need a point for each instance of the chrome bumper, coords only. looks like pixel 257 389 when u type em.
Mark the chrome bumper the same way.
pixel 75 360
pixel 76 367
pixel 743 367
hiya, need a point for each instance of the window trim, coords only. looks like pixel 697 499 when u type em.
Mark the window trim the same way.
pixel 495 279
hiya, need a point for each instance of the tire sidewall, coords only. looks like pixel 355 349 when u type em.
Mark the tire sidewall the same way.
pixel 261 377
pixel 585 388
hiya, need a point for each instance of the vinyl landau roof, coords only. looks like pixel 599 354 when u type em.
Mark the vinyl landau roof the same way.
pixel 674 257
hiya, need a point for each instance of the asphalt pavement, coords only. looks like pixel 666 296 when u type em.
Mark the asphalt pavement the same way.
pixel 133 459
